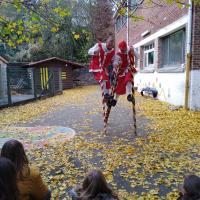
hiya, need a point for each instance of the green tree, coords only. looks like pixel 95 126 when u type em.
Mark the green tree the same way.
pixel 46 28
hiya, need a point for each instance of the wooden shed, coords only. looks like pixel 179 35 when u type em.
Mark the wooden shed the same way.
pixel 52 75
pixel 68 77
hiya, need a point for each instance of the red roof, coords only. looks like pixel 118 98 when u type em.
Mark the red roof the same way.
pixel 55 59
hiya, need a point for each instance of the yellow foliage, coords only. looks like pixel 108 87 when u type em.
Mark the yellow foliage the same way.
pixel 163 157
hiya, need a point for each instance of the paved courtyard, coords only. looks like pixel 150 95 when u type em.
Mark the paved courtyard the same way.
pixel 63 137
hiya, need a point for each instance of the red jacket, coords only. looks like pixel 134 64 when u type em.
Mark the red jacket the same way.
pixel 128 61
pixel 101 61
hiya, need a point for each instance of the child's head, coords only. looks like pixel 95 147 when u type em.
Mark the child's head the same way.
pixel 94 184
pixel 110 42
pixel 191 188
pixel 14 151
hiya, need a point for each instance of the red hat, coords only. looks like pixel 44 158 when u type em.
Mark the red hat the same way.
pixel 122 45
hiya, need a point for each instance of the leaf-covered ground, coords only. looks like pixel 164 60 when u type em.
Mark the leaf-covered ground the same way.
pixel 150 166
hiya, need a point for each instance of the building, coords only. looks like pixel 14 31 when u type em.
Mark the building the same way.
pixel 24 82
pixel 53 75
pixel 167 39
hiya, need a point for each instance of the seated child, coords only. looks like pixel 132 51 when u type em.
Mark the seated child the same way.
pixel 29 180
pixel 94 187
pixel 191 188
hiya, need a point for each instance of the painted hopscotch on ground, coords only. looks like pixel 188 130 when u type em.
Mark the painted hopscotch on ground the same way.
pixel 40 135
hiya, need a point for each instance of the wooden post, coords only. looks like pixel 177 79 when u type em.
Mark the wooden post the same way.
pixel 8 86
pixel 34 83
pixel 52 83
pixel 187 83
pixel 60 80
pixel 54 86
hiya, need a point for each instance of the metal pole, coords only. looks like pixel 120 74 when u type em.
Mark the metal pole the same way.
pixel 128 22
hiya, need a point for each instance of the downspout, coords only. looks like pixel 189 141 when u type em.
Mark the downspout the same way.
pixel 128 22
pixel 188 63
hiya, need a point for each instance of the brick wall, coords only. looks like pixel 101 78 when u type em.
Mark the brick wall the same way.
pixel 196 38
pixel 120 35
pixel 155 18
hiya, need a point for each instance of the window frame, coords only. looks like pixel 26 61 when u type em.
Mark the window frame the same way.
pixel 146 52
pixel 170 64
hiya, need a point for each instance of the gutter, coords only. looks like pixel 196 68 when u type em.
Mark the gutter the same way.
pixel 188 62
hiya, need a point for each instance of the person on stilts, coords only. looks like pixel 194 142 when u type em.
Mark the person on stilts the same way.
pixel 102 57
pixel 126 69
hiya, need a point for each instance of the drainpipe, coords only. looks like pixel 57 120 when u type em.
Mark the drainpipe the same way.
pixel 128 22
pixel 188 63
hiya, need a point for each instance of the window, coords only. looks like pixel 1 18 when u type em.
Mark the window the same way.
pixel 149 55
pixel 174 49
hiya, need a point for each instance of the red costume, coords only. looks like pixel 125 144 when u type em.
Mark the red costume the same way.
pixel 99 63
pixel 126 69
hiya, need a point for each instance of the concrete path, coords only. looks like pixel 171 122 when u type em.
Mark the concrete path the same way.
pixel 86 120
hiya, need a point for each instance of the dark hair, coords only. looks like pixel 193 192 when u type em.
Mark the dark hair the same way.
pixel 93 185
pixel 14 151
pixel 8 175
pixel 191 188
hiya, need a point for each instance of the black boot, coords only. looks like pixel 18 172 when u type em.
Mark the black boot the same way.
pixel 108 103
pixel 113 102
pixel 108 97
pixel 130 98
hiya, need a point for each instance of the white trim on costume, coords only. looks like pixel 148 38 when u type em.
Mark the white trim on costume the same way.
pixel 94 70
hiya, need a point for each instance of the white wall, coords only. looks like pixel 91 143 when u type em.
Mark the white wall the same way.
pixel 170 86
pixel 194 101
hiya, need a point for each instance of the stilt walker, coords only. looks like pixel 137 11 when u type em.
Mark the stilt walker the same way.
pixel 124 66
pixel 102 57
